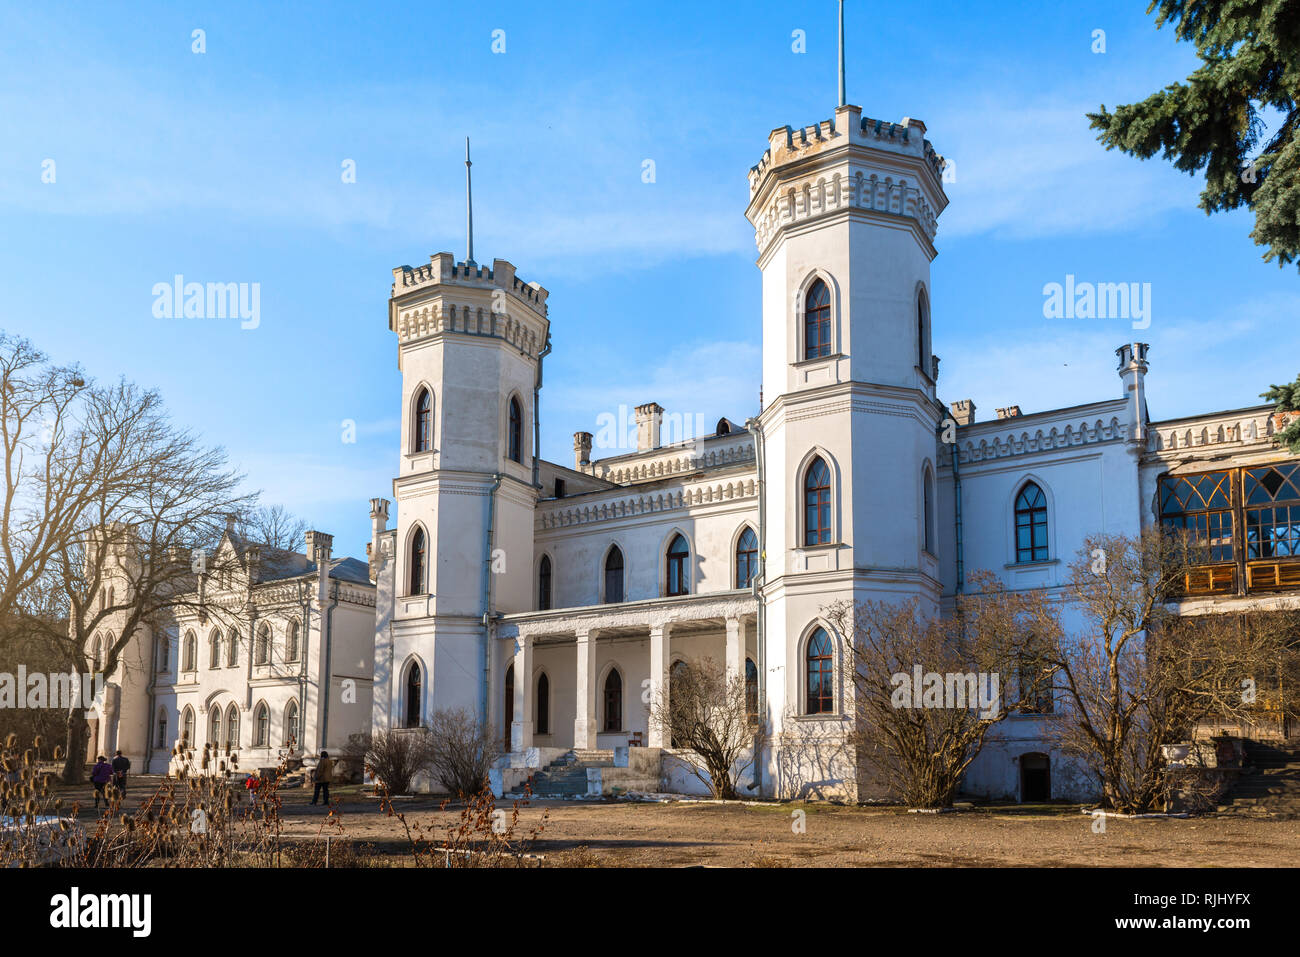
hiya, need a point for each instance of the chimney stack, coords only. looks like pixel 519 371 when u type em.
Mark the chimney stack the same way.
pixel 649 422
pixel 318 547
pixel 581 450
pixel 1132 372
pixel 1010 412
pixel 963 411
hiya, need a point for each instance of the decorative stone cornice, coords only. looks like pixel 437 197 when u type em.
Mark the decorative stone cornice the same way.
pixel 649 613
pixel 617 504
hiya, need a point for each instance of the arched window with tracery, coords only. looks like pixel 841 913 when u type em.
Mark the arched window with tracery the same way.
pixel 817 321
pixel 1031 524
pixel 423 432
pixel 746 558
pixel 820 671
pixel 817 503
pixel 515 443
pixel 678 571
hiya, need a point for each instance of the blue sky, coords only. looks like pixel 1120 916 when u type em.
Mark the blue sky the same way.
pixel 226 166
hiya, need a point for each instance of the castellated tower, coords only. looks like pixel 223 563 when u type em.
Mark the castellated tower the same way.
pixel 844 213
pixel 470 345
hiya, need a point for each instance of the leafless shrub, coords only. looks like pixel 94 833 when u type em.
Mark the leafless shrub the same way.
pixel 462 751
pixel 393 756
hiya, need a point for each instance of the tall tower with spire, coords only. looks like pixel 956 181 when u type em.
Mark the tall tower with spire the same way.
pixel 470 343
pixel 844 214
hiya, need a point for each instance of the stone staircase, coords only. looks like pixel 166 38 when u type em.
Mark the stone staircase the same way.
pixel 1269 785
pixel 566 776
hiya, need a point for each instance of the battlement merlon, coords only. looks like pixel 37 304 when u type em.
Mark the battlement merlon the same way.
pixel 873 164
pixel 443 269
pixel 451 296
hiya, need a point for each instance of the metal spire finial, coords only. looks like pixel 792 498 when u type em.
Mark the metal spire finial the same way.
pixel 843 97
pixel 469 205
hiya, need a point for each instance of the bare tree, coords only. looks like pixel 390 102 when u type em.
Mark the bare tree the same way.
pixel 393 756
pixel 1137 675
pixel 462 751
pixel 708 715
pixel 926 691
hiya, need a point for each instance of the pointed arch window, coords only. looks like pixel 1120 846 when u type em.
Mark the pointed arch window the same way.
pixel 232 726
pixel 214 649
pixel 678 568
pixel 97 656
pixel 291 643
pixel 164 653
pixel 187 657
pixel 515 440
pixel 418 552
pixel 162 728
pixel 817 322
pixel 746 558
pixel 262 646
pixel 820 670
pixel 544 584
pixel 922 334
pixel 423 421
pixel 414 696
pixel 543 725
pixel 214 727
pixel 187 726
pixel 291 724
pixel 614 576
pixel 613 701
pixel 262 726
pixel 751 690
pixel 232 648
pixel 509 705
pixel 1031 524
pixel 817 503
pixel 927 504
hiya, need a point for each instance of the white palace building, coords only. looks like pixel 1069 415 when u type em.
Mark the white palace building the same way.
pixel 552 600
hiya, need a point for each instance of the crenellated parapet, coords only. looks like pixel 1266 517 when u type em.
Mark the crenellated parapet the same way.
pixel 617 504
pixel 846 163
pixel 446 296
pixel 1215 432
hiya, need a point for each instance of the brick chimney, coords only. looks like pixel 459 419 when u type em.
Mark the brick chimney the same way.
pixel 318 547
pixel 581 450
pixel 1010 412
pixel 963 411
pixel 649 422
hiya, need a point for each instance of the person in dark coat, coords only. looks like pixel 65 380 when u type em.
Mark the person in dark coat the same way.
pixel 100 775
pixel 121 765
pixel 324 775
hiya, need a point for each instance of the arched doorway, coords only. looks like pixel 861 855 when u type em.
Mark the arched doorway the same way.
pixel 1035 778
pixel 509 703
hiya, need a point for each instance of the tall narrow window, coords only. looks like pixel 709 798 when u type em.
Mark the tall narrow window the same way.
pixel 262 646
pixel 544 584
pixel 1031 524
pixel 678 570
pixel 424 421
pixel 262 726
pixel 927 503
pixel 232 648
pixel 187 658
pixel 751 690
pixel 291 725
pixel 543 725
pixel 232 726
pixel 746 558
pixel 417 562
pixel 164 653
pixel 414 698
pixel 291 648
pixel 817 503
pixel 922 334
pixel 509 705
pixel 97 658
pixel 820 671
pixel 214 650
pixel 613 701
pixel 515 444
pixel 614 576
pixel 817 322
pixel 162 729
pixel 187 726
pixel 214 727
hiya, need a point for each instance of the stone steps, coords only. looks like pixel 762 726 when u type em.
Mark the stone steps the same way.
pixel 1269 785
pixel 567 775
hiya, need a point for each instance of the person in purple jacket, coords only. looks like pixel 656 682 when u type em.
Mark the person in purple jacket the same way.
pixel 100 775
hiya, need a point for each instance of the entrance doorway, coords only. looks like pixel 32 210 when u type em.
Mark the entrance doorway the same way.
pixel 510 703
pixel 1035 778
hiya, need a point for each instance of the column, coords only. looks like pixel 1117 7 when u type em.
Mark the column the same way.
pixel 521 729
pixel 584 710
pixel 735 648
pixel 659 660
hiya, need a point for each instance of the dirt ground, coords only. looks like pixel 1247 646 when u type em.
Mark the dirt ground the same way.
pixel 625 834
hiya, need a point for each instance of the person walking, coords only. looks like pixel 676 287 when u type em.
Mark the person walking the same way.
pixel 324 775
pixel 100 775
pixel 121 765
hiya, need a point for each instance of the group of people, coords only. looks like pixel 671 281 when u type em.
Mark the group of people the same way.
pixel 104 772
pixel 115 772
